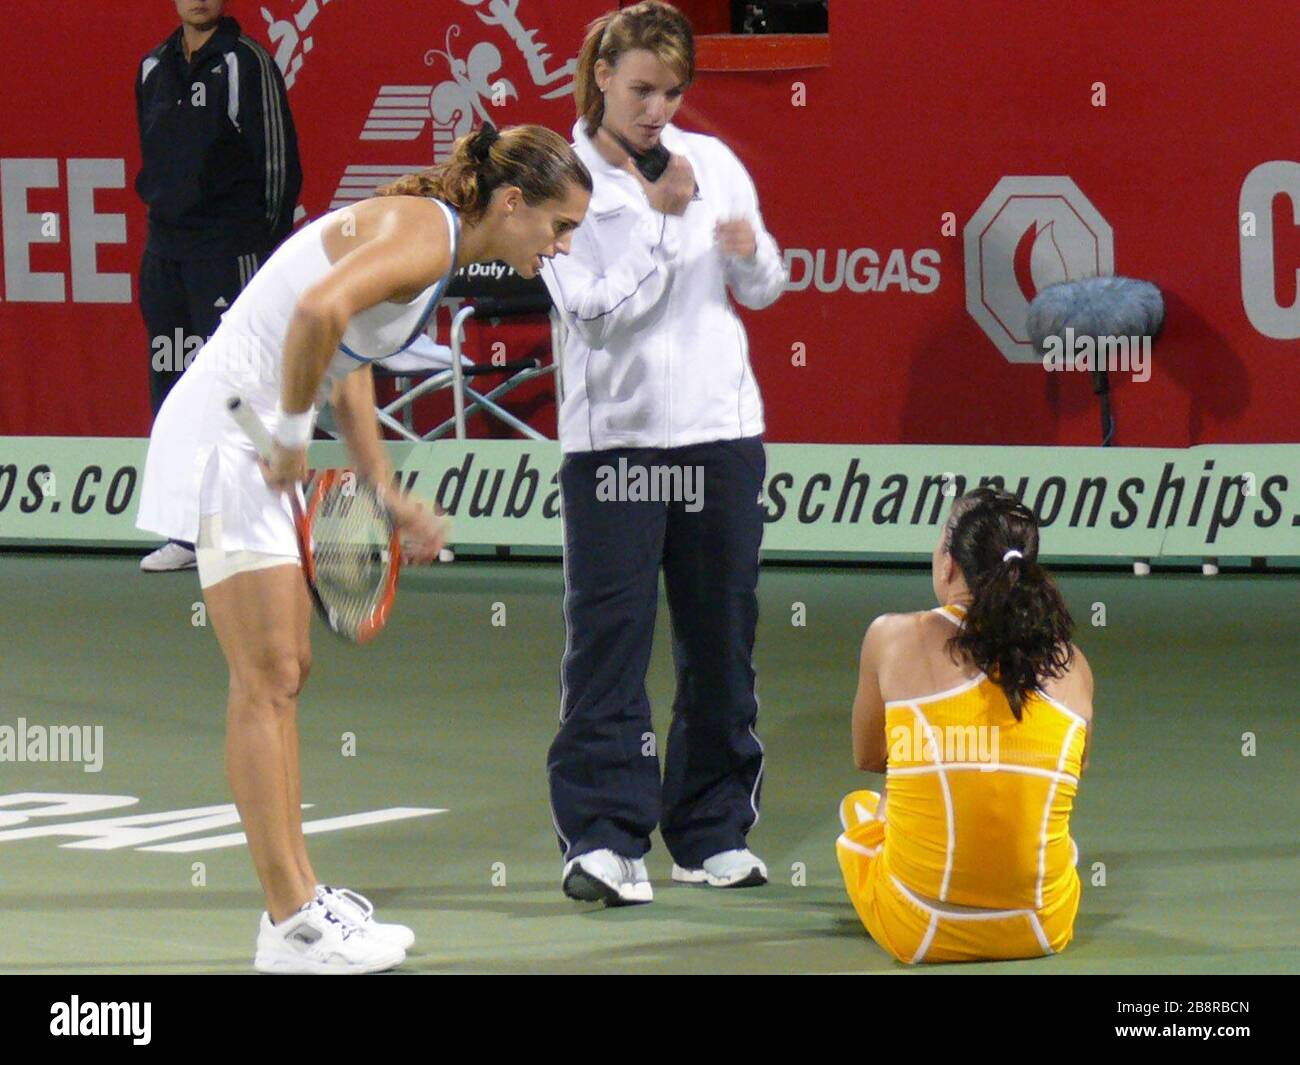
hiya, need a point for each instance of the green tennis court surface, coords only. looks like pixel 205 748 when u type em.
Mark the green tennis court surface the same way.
pixel 451 711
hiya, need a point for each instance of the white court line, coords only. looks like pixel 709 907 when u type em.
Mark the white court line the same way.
pixel 328 824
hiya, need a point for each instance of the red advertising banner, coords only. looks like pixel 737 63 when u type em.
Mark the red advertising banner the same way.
pixel 949 161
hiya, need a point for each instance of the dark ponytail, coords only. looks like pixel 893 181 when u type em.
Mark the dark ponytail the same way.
pixel 1017 628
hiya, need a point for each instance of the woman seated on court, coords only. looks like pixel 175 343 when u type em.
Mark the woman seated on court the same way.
pixel 979 713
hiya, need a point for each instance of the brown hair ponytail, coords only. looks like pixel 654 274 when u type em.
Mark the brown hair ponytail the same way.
pixel 536 160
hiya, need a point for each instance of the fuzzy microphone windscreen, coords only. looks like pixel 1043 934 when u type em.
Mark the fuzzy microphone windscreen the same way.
pixel 1096 307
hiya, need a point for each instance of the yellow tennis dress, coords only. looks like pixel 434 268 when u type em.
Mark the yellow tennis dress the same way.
pixel 974 858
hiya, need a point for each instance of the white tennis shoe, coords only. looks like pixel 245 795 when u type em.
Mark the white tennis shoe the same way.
pixel 171 556
pixel 733 869
pixel 603 876
pixel 316 941
pixel 354 907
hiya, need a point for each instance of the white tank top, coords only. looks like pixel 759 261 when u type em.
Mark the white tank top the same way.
pixel 246 357
pixel 263 309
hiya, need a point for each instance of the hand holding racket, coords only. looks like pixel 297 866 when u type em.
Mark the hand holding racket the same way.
pixel 348 534
pixel 424 532
pixel 285 468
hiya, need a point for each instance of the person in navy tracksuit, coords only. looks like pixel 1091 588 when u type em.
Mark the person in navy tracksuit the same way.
pixel 658 389
pixel 220 175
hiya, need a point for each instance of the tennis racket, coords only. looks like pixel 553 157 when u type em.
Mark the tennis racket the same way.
pixel 349 546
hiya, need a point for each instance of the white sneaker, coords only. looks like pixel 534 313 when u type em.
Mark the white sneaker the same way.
pixel 359 910
pixel 739 868
pixel 315 941
pixel 603 876
pixel 171 556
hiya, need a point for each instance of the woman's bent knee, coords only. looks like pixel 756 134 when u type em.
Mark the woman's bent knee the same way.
pixel 274 681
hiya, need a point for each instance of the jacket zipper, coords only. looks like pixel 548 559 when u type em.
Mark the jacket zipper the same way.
pixel 668 361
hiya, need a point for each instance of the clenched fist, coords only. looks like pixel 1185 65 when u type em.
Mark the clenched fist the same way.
pixel 736 239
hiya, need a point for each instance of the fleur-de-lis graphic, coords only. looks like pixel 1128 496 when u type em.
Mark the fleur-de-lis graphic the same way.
pixel 455 103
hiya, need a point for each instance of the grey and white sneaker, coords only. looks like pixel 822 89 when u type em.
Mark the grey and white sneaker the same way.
pixel 355 907
pixel 603 876
pixel 316 941
pixel 740 868
pixel 171 556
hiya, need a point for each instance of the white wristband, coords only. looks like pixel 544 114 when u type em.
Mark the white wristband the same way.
pixel 293 431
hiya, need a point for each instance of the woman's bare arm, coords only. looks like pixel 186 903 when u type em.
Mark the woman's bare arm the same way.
pixel 1088 685
pixel 410 250
pixel 870 748
pixel 354 410
pixel 423 532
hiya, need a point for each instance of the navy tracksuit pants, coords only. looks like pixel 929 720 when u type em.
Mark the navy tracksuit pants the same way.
pixel 604 766
pixel 182 304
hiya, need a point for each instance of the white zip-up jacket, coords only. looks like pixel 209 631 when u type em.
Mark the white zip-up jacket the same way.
pixel 655 354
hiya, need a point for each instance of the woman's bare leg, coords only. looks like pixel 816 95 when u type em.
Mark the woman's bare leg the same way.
pixel 256 616
pixel 303 628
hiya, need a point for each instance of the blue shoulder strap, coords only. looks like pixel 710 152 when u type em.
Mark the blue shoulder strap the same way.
pixel 433 300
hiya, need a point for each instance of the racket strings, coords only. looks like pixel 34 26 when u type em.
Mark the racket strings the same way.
pixel 350 551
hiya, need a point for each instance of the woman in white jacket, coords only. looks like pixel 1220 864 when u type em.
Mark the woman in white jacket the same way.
pixel 661 428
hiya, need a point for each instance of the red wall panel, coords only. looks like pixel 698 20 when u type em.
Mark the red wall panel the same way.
pixel 925 109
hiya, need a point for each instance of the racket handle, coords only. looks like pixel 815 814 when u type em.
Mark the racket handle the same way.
pixel 246 418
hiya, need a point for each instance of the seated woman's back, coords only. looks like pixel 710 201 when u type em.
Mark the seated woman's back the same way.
pixel 978 800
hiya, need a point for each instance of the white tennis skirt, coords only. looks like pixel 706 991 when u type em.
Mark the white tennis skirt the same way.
pixel 201 463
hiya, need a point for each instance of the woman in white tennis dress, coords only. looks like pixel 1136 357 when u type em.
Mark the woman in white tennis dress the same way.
pixel 354 286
